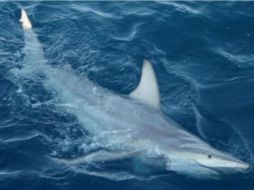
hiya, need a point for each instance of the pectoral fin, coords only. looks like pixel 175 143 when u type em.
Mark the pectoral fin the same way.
pixel 99 156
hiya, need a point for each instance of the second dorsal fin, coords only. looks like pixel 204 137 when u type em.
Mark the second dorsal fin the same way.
pixel 147 90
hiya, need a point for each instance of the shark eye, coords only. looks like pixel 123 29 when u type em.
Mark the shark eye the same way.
pixel 209 156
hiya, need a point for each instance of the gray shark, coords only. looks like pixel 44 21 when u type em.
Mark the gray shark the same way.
pixel 127 126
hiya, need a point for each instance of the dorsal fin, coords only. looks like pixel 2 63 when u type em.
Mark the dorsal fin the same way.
pixel 147 90
pixel 26 23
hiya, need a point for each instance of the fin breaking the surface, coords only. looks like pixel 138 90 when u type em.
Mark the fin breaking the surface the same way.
pixel 26 23
pixel 147 90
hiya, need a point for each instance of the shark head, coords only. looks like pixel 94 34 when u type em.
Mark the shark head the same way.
pixel 205 163
pixel 217 161
pixel 208 161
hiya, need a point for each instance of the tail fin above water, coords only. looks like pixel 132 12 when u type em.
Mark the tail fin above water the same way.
pixel 26 23
pixel 33 50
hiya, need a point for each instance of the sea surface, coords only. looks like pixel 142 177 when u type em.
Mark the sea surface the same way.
pixel 203 56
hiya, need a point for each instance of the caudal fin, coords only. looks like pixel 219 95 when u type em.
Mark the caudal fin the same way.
pixel 26 23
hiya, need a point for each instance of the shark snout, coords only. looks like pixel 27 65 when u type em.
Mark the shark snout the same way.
pixel 234 165
pixel 243 166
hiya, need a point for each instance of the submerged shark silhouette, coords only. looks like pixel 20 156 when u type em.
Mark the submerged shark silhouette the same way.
pixel 131 126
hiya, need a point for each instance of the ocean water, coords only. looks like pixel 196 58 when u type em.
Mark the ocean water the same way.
pixel 203 56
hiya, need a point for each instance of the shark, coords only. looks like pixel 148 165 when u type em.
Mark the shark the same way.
pixel 130 126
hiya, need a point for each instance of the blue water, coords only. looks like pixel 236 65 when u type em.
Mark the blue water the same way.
pixel 203 55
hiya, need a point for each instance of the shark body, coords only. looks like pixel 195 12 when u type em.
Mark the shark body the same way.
pixel 130 126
